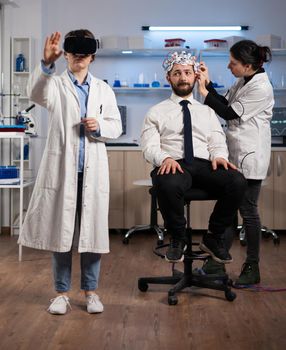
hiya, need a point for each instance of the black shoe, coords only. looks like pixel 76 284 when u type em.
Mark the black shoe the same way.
pixel 212 267
pixel 214 245
pixel 175 251
pixel 249 274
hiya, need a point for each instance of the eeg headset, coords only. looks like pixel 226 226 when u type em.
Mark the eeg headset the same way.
pixel 81 45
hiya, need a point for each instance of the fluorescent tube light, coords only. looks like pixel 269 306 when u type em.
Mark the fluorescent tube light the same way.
pixel 127 52
pixel 194 28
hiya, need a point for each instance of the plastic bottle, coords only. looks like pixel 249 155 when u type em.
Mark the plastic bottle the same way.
pixel 20 63
pixel 26 151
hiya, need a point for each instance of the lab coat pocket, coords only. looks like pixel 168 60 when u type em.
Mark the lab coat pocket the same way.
pixel 54 171
pixel 248 163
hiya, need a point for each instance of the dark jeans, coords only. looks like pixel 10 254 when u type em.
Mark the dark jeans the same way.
pixel 251 221
pixel 89 262
pixel 227 185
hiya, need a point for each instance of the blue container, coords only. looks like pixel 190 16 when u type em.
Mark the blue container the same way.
pixel 26 151
pixel 9 172
pixel 20 63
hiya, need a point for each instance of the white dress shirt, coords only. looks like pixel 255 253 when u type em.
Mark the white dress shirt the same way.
pixel 163 132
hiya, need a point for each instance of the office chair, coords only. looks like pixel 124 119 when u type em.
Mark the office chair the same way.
pixel 153 225
pixel 182 280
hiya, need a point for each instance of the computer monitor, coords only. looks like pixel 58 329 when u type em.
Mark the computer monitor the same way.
pixel 123 114
pixel 278 122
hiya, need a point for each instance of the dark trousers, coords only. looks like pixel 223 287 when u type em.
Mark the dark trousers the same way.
pixel 251 221
pixel 227 185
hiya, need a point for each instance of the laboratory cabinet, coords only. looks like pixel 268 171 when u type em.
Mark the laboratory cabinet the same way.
pixel 130 203
pixel 272 203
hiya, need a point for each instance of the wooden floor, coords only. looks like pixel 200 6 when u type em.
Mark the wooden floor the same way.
pixel 203 319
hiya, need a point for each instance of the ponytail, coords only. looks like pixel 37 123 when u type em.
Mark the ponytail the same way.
pixel 248 52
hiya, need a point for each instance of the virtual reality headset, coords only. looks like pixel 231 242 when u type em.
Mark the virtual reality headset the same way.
pixel 81 45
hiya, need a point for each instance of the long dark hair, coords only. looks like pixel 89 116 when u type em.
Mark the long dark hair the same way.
pixel 248 52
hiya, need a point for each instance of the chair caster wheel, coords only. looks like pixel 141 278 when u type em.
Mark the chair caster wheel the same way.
pixel 265 234
pixel 230 282
pixel 276 241
pixel 243 242
pixel 160 242
pixel 229 295
pixel 125 240
pixel 142 286
pixel 172 300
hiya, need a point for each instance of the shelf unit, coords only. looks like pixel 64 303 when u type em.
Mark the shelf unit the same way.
pixel 22 183
pixel 135 89
pixel 222 52
pixel 19 80
pixel 161 52
pixel 130 68
pixel 278 55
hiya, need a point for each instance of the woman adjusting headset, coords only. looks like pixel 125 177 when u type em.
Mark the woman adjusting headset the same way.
pixel 247 108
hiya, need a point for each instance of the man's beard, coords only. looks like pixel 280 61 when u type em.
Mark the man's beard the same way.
pixel 182 92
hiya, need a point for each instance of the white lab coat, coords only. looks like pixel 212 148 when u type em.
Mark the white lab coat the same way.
pixel 249 137
pixel 50 219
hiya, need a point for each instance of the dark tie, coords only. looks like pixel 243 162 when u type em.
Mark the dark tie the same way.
pixel 188 139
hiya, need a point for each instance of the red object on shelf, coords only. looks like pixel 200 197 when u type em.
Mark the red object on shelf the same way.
pixel 215 43
pixel 174 42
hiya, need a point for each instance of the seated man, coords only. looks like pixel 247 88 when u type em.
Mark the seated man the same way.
pixel 184 141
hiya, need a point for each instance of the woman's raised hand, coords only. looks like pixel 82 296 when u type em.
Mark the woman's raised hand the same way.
pixel 52 50
pixel 203 70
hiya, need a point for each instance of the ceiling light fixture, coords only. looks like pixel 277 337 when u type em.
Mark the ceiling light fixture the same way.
pixel 194 28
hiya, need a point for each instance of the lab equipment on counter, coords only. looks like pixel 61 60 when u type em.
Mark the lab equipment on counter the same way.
pixel 24 118
pixel 155 83
pixel 116 82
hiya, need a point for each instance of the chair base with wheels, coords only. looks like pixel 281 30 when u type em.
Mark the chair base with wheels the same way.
pixel 153 226
pixel 266 233
pixel 188 278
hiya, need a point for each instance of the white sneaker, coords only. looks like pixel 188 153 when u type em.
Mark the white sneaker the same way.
pixel 59 305
pixel 93 304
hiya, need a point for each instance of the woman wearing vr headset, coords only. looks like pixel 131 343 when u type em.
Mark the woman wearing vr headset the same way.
pixel 69 204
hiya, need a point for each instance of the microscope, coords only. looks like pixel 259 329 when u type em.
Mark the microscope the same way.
pixel 25 118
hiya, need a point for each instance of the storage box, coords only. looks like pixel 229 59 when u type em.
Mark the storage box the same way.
pixel 177 42
pixel 273 41
pixel 215 43
pixel 139 42
pixel 114 42
pixel 9 172
pixel 231 40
